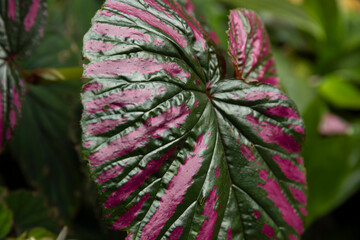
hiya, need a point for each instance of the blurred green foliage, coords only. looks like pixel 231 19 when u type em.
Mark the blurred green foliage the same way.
pixel 317 50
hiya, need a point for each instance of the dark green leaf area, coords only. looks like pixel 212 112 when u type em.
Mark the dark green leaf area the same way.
pixel 11 94
pixel 29 211
pixel 6 220
pixel 46 122
pixel 21 25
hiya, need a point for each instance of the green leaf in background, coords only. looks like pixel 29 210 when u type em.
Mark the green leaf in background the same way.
pixel 50 119
pixel 330 49
pixel 340 93
pixel 282 10
pixel 177 152
pixel 46 124
pixel 293 74
pixel 21 27
pixel 327 14
pixel 6 220
pixel 21 237
pixel 41 234
pixel 29 211
pixel 214 14
pixel 333 164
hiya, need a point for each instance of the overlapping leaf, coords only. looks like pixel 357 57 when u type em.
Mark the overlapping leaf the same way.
pixel 250 49
pixel 21 27
pixel 177 152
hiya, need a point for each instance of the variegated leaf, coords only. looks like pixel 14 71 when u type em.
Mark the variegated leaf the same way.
pixel 250 49
pixel 177 153
pixel 21 27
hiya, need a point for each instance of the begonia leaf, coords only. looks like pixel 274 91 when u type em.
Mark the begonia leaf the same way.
pixel 176 151
pixel 21 27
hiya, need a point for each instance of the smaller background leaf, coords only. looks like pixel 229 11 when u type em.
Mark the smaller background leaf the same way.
pixel 29 211
pixel 6 220
pixel 41 234
pixel 340 93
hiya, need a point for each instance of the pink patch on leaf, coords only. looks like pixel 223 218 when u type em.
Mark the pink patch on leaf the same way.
pixel 303 211
pixel 135 65
pixel 12 118
pixel 177 188
pixel 106 13
pixel 248 154
pixel 292 237
pixel 268 231
pixel 111 173
pixel 98 46
pixel 176 233
pixel 257 214
pixel 127 218
pixel 289 169
pixel 129 236
pixel 158 42
pixel 213 35
pixel 152 128
pixel 31 16
pixel 159 8
pixel 251 119
pixel 228 234
pixel 282 111
pixel 16 101
pixel 197 30
pixel 259 95
pixel 94 86
pixel 271 133
pixel 149 18
pixel 125 98
pixel 206 230
pixel 104 126
pixel 12 10
pixel 299 160
pixel 189 6
pixel 121 32
pixel 136 181
pixel 217 171
pixel 299 129
pixel 88 144
pixel 298 195
pixel 275 193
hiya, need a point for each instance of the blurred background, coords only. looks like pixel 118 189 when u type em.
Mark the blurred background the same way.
pixel 316 44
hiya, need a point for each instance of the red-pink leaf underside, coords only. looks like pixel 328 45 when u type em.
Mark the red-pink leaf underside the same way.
pixel 21 27
pixel 177 153
pixel 250 49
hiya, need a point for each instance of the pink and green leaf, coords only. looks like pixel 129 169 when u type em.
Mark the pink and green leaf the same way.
pixel 250 49
pixel 177 152
pixel 21 27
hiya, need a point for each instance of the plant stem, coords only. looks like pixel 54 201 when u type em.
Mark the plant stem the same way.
pixel 49 75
